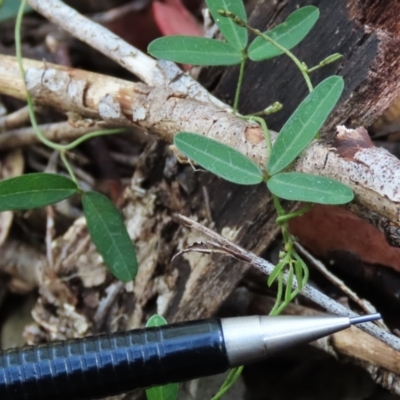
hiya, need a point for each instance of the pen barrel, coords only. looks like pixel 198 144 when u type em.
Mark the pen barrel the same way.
pixel 107 365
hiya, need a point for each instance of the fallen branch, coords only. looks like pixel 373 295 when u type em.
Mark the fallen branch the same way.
pixel 373 173
pixel 15 119
pixel 150 71
pixel 55 132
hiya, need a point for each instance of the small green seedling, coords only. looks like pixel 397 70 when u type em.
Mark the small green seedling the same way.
pixel 295 136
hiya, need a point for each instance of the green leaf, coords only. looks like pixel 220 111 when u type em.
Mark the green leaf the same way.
pixel 289 284
pixel 34 190
pixel 108 232
pixel 310 188
pixel 166 392
pixel 304 123
pixel 194 50
pixel 235 35
pixel 301 264
pixel 277 270
pixel 9 9
pixel 298 267
pixel 288 34
pixel 328 60
pixel 156 320
pixel 218 158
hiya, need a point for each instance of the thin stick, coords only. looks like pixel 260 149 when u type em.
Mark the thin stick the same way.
pixel 309 292
pixel 15 119
pixel 101 39
pixel 56 131
pixel 149 70
pixel 368 308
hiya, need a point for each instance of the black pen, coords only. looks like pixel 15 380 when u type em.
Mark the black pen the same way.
pixel 106 365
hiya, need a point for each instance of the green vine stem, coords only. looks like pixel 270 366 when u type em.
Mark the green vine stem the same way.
pixel 55 146
pixel 297 290
pixel 275 308
pixel 239 83
pixel 68 166
pixel 281 213
pixel 231 379
pixel 328 60
pixel 286 217
pixel 18 51
pixel 267 136
pixel 273 108
pixel 303 68
pixel 90 135
pixel 289 256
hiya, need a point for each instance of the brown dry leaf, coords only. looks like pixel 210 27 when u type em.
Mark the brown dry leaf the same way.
pixel 326 228
pixel 65 323
pixel 56 314
pixel 91 269
pixel 11 165
pixel 25 264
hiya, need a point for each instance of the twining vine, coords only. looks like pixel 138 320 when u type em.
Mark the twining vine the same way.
pixel 104 222
pixel 295 136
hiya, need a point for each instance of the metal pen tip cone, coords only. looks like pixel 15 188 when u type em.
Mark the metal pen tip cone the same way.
pixel 365 318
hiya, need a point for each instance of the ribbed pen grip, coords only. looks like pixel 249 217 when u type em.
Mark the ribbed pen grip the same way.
pixel 106 365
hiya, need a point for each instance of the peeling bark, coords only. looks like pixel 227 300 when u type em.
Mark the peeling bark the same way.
pixel 163 112
pixel 360 172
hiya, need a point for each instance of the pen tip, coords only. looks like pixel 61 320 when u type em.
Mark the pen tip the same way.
pixel 364 318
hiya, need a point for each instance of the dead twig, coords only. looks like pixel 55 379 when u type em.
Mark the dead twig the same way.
pixel 120 11
pixel 309 292
pixel 363 304
pixel 55 132
pixel 106 302
pixel 15 119
pixel 150 71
